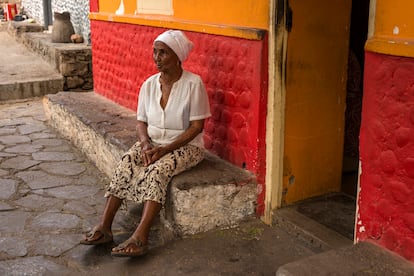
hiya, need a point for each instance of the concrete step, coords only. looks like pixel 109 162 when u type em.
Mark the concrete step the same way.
pixel 17 28
pixel 308 230
pixel 212 194
pixel 23 74
pixel 73 61
pixel 363 258
pixel 339 255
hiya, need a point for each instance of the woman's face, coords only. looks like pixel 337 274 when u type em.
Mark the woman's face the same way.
pixel 164 57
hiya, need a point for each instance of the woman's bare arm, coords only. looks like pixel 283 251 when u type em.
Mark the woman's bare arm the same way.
pixel 195 128
pixel 142 132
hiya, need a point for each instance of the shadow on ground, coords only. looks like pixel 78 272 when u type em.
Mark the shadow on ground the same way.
pixel 253 248
pixel 335 211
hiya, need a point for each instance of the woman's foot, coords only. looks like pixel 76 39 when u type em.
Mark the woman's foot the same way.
pixel 97 236
pixel 130 248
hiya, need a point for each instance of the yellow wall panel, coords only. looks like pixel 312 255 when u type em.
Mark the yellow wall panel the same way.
pixel 393 31
pixel 241 13
pixel 395 18
pixel 109 6
pixel 249 13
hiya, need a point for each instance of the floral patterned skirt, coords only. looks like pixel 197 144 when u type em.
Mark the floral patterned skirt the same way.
pixel 132 181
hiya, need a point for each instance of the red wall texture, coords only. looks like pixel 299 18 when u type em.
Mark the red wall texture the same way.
pixel 234 71
pixel 386 201
pixel 93 5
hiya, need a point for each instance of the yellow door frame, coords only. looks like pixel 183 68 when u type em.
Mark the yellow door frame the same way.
pixel 276 108
pixel 275 121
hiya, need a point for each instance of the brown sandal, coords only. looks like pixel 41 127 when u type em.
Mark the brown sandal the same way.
pixel 105 237
pixel 142 248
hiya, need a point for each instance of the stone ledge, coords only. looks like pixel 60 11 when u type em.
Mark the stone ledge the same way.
pixel 73 61
pixel 213 194
pixel 30 89
pixel 17 28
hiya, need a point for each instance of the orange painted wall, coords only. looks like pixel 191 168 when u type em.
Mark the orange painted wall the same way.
pixel 395 13
pixel 393 32
pixel 245 13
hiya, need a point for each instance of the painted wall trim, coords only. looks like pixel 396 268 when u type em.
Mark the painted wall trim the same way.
pixel 371 19
pixel 383 40
pixel 357 203
pixel 173 23
pixel 275 114
pixel 390 46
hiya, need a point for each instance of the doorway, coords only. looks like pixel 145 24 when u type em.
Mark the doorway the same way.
pixel 316 72
pixel 354 89
pixel 324 73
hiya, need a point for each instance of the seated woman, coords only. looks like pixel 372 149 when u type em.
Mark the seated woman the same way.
pixel 172 107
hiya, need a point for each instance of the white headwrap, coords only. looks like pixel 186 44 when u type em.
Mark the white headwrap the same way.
pixel 178 42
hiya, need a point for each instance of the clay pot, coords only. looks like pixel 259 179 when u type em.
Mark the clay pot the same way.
pixel 62 28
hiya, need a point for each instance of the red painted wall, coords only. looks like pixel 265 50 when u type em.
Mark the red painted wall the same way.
pixel 386 199
pixel 234 71
pixel 94 5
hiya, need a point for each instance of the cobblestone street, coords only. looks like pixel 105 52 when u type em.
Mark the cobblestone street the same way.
pixel 50 194
pixel 48 190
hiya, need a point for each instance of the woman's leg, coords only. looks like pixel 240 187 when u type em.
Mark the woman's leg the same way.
pixel 149 213
pixel 105 225
pixel 152 189
pixel 141 233
pixel 111 207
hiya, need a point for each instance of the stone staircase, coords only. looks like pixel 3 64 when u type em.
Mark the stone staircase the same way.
pixel 33 66
pixel 24 74
pixel 72 61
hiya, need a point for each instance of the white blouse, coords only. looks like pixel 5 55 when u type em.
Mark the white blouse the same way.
pixel 188 101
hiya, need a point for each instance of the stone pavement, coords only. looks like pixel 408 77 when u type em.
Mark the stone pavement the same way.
pixel 50 194
pixel 47 190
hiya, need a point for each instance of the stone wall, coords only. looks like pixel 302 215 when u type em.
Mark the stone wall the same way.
pixel 73 61
pixel 34 9
pixel 79 12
